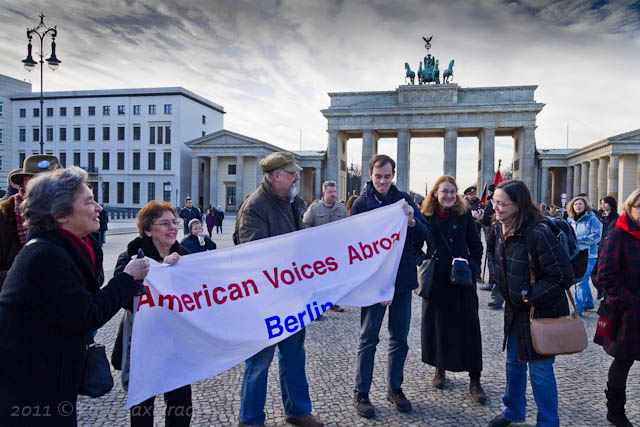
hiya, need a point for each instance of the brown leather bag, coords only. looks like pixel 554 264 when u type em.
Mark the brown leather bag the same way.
pixel 559 335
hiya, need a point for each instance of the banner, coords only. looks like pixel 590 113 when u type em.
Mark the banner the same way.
pixel 213 310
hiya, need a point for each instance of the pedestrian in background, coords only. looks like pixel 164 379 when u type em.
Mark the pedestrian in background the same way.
pixel 12 187
pixel 219 214
pixel 104 220
pixel 350 201
pixel 619 277
pixel 588 231
pixel 158 230
pixel 196 241
pixel 450 328
pixel 188 213
pixel 52 302
pixel 608 217
pixel 211 221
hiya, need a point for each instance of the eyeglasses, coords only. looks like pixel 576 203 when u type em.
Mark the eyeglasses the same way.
pixel 167 224
pixel 447 193
pixel 502 204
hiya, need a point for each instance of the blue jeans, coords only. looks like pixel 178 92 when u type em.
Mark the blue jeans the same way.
pixel 583 296
pixel 370 323
pixel 543 383
pixel 293 381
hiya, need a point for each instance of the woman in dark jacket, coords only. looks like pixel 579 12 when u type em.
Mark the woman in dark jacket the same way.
pixel 608 218
pixel 521 236
pixel 219 214
pixel 451 339
pixel 51 302
pixel 196 241
pixel 158 230
pixel 619 276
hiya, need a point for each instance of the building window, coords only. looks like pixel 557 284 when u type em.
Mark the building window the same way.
pixel 23 112
pixel 203 133
pixel 231 195
pixel 1 162
pixel 151 191
pixel 136 193
pixel 231 169
pixel 63 111
pixel 91 162
pixel 0 136
pixel 167 135
pixel 152 135
pixel 76 111
pixel 106 110
pixel 22 132
pixel 167 160
pixel 36 112
pixel 136 110
pixel 168 108
pixel 120 133
pixel 120 160
pixel 159 134
pixel 49 134
pixel 92 110
pixel 121 110
pixel 105 192
pixel 105 160
pixel 63 134
pixel 136 133
pixel 204 119
pixel 76 134
pixel 152 108
pixel 121 192
pixel 63 159
pixel 36 134
pixel 50 112
pixel 106 134
pixel 76 159
pixel 151 155
pixel 21 157
pixel 92 134
pixel 136 160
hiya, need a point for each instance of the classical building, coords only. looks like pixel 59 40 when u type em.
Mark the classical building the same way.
pixel 225 169
pixel 609 166
pixel 130 141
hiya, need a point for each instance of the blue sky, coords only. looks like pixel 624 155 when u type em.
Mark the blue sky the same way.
pixel 272 63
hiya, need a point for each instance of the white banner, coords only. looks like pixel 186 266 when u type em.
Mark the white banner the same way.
pixel 216 309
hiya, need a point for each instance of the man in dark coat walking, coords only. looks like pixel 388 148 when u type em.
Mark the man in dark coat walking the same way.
pixel 188 213
pixel 381 192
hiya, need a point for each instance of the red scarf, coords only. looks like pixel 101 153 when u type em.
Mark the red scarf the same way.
pixel 84 245
pixel 22 230
pixel 624 224
pixel 442 214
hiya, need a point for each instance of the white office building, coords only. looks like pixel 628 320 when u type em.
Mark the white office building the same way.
pixel 8 86
pixel 131 141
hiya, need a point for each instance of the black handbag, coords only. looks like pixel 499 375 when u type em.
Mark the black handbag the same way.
pixel 426 271
pixel 460 276
pixel 96 377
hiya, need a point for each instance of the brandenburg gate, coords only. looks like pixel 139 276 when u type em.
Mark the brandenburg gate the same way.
pixel 445 111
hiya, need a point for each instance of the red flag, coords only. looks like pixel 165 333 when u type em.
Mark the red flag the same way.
pixel 483 199
pixel 498 178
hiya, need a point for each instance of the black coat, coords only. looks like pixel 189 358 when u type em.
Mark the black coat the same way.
pixel 450 332
pixel 49 307
pixel 9 241
pixel 187 214
pixel 553 275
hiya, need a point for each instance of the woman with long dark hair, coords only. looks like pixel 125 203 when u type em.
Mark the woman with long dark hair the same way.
pixel 608 217
pixel 532 269
pixel 450 329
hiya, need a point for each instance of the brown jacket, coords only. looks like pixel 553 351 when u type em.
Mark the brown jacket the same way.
pixel 264 214
pixel 320 213
pixel 9 240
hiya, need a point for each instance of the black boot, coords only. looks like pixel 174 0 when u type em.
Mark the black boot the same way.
pixel 616 399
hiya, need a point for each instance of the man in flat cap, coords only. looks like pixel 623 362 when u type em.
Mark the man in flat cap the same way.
pixel 271 210
pixel 13 234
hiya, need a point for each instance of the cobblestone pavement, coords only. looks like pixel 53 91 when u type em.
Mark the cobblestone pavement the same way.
pixel 331 352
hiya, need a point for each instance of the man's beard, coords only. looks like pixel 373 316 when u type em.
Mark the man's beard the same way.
pixel 293 192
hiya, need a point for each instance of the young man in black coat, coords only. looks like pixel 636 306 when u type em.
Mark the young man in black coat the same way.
pixel 188 213
pixel 381 192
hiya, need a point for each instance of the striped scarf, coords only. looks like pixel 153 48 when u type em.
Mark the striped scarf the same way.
pixel 22 230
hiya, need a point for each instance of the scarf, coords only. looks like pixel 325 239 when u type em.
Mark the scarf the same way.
pixel 22 230
pixel 84 245
pixel 442 214
pixel 624 224
pixel 577 217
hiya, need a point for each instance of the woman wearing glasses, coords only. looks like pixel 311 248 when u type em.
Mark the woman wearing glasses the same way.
pixel 158 230
pixel 450 331
pixel 619 276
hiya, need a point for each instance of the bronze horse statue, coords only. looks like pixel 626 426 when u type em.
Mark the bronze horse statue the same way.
pixel 409 74
pixel 448 73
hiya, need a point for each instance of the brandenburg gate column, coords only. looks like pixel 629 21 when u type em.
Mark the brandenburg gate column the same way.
pixel 603 167
pixel 450 151
pixel 402 168
pixel 487 157
pixel 584 181
pixel 195 180
pixel 333 159
pixel 614 170
pixel 369 149
pixel 527 160
pixel 544 184
pixel 569 187
pixel 593 181
pixel 577 178
pixel 317 183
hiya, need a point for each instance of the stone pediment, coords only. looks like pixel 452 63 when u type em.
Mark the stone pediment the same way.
pixel 225 138
pixel 631 136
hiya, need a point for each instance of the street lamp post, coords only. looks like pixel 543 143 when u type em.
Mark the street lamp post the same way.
pixel 41 31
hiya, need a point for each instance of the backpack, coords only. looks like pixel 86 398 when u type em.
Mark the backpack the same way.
pixel 567 237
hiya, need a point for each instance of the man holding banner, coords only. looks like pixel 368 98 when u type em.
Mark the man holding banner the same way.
pixel 381 192
pixel 275 209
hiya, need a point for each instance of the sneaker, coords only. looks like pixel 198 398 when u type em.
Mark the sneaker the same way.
pixel 363 405
pixel 308 420
pixel 486 286
pixel 397 397
pixel 439 378
pixel 499 421
pixel 494 305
